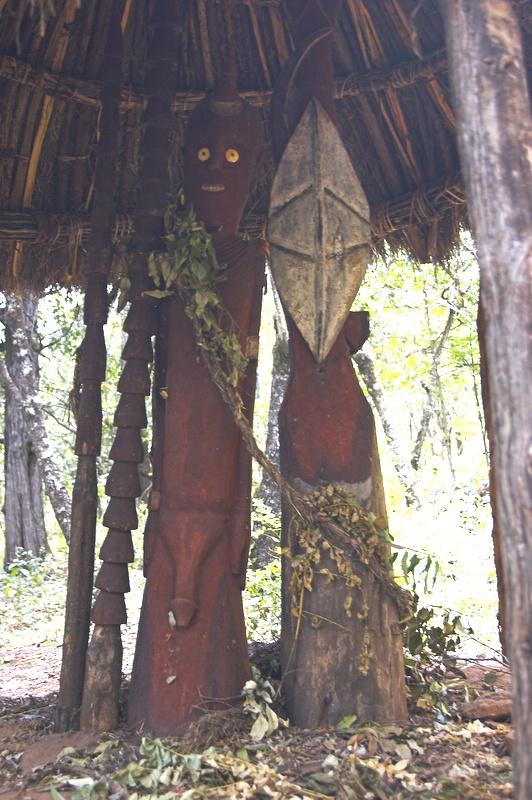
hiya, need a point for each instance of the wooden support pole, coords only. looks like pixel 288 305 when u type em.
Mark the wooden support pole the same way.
pixel 495 140
pixel 79 594
pixel 103 674
pixel 87 92
pixel 92 362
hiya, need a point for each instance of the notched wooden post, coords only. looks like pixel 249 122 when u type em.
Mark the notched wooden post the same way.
pixel 100 710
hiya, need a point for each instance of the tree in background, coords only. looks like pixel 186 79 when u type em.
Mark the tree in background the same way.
pixel 23 498
pixel 29 459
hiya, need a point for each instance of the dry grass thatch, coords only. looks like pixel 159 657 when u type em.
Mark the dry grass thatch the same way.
pixel 393 100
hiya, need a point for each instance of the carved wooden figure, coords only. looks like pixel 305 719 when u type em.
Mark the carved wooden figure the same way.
pixel 327 435
pixel 191 649
pixel 335 664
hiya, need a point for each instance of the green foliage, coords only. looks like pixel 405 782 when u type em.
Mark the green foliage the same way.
pixel 262 602
pixel 417 566
pixel 432 638
pixel 189 266
pixel 61 331
pixel 410 305
pixel 31 596
pixel 265 530
pixel 262 595
pixel 430 635
pixel 159 770
pixel 160 767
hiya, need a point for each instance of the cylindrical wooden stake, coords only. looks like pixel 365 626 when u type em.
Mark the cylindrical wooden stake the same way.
pixel 92 373
pixel 80 577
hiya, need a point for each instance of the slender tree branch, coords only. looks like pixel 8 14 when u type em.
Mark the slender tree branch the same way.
pixel 404 470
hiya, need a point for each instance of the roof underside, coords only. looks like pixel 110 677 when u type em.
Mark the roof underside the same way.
pixel 393 102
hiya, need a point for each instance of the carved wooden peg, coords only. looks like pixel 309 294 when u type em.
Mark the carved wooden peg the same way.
pixel 135 378
pixel 109 609
pixel 141 316
pixel 123 480
pixel 117 547
pixel 121 514
pixel 142 313
pixel 131 411
pixel 139 346
pixel 113 577
pixel 183 610
pixel 127 445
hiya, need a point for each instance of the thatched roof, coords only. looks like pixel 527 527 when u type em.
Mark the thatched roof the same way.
pixel 393 101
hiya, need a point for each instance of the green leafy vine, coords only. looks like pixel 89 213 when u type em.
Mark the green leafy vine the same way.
pixel 336 504
pixel 189 266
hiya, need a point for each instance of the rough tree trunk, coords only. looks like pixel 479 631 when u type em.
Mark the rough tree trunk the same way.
pixel 23 497
pixel 21 383
pixel 496 530
pixel 263 552
pixel 404 470
pixel 495 140
pixel 430 408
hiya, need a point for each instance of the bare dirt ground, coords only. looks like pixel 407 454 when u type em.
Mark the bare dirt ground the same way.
pixel 31 671
pixel 430 758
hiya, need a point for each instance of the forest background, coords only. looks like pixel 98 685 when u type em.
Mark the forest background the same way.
pixel 420 370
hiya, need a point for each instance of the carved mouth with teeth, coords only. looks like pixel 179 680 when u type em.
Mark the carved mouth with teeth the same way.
pixel 213 187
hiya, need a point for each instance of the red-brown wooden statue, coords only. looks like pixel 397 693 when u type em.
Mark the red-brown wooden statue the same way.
pixel 335 663
pixel 191 649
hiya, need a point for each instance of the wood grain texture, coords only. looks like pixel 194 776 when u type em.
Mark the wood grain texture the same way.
pixel 334 663
pixel 327 435
pixel 102 683
pixel 318 230
pixel 495 139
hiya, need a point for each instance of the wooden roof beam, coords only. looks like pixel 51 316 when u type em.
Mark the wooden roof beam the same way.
pixel 420 207
pixel 87 92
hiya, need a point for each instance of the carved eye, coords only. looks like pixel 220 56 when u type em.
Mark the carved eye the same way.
pixel 232 155
pixel 204 154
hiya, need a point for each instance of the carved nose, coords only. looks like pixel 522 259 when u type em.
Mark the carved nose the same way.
pixel 183 610
pixel 215 161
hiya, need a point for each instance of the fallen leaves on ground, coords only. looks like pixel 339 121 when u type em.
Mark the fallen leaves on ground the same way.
pixel 425 759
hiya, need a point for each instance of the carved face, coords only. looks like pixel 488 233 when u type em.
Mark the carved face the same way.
pixel 221 154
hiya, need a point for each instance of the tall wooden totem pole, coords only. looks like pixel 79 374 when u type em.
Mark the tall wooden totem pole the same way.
pixel 191 652
pixel 335 663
